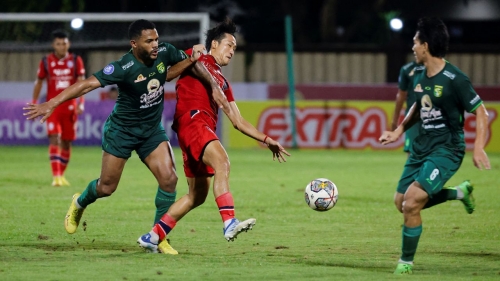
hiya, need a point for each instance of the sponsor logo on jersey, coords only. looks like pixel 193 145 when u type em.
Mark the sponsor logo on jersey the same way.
pixel 153 97
pixel 438 91
pixel 162 49
pixel 108 69
pixel 427 88
pixel 139 78
pixel 52 64
pixel 411 72
pixel 475 99
pixel 128 65
pixel 449 74
pixel 161 67
pixel 151 74
pixel 418 88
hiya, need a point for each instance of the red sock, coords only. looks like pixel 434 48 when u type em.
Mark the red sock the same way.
pixel 55 162
pixel 225 203
pixel 65 154
pixel 164 226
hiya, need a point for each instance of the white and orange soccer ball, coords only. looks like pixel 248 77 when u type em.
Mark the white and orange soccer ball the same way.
pixel 321 194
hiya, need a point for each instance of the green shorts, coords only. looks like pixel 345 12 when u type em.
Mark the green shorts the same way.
pixel 432 171
pixel 120 143
pixel 410 135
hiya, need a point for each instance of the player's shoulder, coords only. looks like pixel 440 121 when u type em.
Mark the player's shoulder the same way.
pixel 453 73
pixel 120 65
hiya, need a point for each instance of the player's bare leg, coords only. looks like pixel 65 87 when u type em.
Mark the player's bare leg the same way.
pixel 111 171
pixel 155 240
pixel 398 201
pixel 216 157
pixel 415 199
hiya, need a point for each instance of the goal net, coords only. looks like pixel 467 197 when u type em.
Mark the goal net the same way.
pixel 25 37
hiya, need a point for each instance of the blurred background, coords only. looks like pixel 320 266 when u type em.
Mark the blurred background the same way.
pixel 345 54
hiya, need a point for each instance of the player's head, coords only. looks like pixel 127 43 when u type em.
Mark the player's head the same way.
pixel 60 43
pixel 144 40
pixel 431 39
pixel 221 42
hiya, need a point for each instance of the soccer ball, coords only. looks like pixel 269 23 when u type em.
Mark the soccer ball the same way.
pixel 321 194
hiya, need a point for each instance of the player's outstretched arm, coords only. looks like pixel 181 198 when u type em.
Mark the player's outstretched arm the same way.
pixel 410 119
pixel 480 158
pixel 45 109
pixel 177 69
pixel 242 125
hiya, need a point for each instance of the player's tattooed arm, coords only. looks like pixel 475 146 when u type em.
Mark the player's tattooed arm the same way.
pixel 177 69
pixel 200 71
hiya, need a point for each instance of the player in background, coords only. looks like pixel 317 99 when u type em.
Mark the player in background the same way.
pixel 61 69
pixel 404 95
pixel 195 121
pixel 442 94
pixel 135 122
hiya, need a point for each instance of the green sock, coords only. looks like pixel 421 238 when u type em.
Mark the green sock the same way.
pixel 411 235
pixel 163 201
pixel 447 193
pixel 89 195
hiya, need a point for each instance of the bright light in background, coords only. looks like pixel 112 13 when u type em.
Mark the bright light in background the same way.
pixel 77 23
pixel 396 24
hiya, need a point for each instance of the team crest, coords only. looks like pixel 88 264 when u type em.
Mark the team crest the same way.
pixel 140 78
pixel 438 91
pixel 418 88
pixel 161 67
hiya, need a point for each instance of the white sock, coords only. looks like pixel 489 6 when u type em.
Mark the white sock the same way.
pixel 78 205
pixel 154 237
pixel 460 194
pixel 407 262
pixel 227 222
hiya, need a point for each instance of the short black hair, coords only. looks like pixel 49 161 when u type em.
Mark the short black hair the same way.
pixel 433 31
pixel 59 33
pixel 219 31
pixel 135 29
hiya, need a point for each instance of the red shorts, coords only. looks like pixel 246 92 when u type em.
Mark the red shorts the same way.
pixel 195 130
pixel 62 122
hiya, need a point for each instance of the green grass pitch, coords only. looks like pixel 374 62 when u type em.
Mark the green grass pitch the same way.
pixel 359 239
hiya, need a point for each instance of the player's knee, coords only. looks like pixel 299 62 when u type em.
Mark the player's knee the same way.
pixel 106 188
pixel 169 183
pixel 223 166
pixel 410 206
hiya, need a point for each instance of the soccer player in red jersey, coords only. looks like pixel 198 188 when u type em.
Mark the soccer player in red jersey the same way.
pixel 61 69
pixel 204 156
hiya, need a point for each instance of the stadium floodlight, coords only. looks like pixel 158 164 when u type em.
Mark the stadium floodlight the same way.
pixel 396 24
pixel 76 23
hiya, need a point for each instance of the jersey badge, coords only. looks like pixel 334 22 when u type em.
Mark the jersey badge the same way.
pixel 438 91
pixel 418 88
pixel 108 69
pixel 69 64
pixel 140 78
pixel 161 67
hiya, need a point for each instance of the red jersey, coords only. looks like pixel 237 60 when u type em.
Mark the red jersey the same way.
pixel 60 73
pixel 192 94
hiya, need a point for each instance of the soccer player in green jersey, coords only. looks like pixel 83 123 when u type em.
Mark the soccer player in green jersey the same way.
pixel 404 83
pixel 135 122
pixel 442 94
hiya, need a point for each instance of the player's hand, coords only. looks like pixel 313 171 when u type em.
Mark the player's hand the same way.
pixel 33 111
pixel 480 159
pixel 80 108
pixel 220 98
pixel 278 151
pixel 198 50
pixel 388 137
